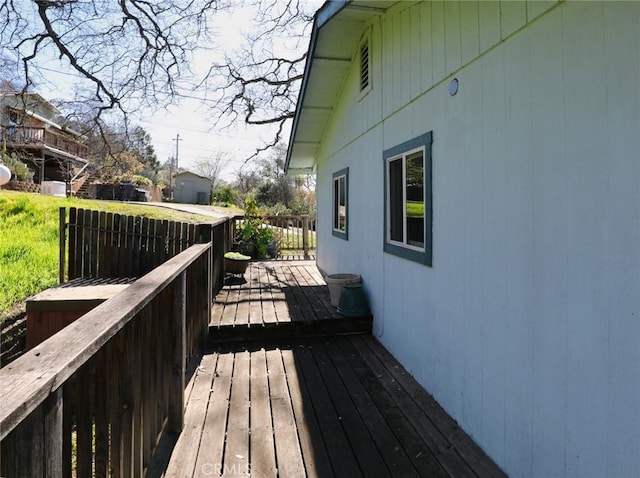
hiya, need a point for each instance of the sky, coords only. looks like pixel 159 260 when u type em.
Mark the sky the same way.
pixel 191 119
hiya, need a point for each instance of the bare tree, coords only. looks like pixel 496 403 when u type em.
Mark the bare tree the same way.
pixel 259 82
pixel 126 55
pixel 122 55
pixel 211 167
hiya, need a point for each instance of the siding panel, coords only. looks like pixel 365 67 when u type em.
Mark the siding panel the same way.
pixel 469 30
pixel 416 50
pixel 519 257
pixel 493 279
pixel 438 47
pixel 583 59
pixel 489 16
pixel 427 46
pixel 452 36
pixel 622 66
pixel 535 8
pixel 550 241
pixel 513 15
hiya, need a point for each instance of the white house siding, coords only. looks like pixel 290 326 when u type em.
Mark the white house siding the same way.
pixel 526 329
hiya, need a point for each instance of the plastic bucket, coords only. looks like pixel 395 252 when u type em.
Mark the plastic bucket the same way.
pixel 336 282
pixel 353 301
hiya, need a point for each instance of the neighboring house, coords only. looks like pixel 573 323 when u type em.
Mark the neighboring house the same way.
pixel 28 124
pixel 478 163
pixel 191 188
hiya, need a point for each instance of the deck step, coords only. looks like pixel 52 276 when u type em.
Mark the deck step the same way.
pixel 290 330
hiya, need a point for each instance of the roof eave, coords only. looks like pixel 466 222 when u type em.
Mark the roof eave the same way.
pixel 341 57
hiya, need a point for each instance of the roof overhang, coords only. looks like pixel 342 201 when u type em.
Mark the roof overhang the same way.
pixel 337 29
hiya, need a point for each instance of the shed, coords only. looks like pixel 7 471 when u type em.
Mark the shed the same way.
pixel 190 188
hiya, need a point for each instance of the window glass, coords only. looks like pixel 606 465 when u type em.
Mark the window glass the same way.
pixel 396 231
pixel 415 200
pixel 340 206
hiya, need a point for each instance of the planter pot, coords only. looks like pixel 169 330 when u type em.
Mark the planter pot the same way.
pixel 272 249
pixel 353 301
pixel 246 248
pixel 336 282
pixel 235 266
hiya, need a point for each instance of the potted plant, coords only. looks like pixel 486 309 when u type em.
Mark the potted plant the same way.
pixel 254 234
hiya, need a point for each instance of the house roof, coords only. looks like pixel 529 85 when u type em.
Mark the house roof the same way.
pixel 337 29
pixel 21 100
pixel 189 173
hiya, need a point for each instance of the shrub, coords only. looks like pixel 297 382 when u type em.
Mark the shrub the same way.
pixel 18 169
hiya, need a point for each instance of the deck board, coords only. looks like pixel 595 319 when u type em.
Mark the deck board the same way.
pixel 263 460
pixel 307 405
pixel 278 299
pixel 317 407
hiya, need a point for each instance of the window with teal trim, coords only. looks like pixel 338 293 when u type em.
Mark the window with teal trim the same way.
pixel 408 212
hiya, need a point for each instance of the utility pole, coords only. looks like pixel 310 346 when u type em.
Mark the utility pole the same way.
pixel 177 140
pixel 170 178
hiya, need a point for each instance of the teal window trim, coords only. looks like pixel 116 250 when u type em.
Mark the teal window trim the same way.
pixel 340 193
pixel 422 255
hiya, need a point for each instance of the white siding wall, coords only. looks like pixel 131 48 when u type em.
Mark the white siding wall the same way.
pixel 527 327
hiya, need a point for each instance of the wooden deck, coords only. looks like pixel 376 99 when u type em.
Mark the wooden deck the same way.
pixel 325 406
pixel 278 299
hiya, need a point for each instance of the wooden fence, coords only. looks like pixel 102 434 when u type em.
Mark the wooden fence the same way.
pixel 93 399
pixel 293 233
pixel 106 246
pixel 100 245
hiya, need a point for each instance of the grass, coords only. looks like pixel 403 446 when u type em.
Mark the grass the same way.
pixel 29 239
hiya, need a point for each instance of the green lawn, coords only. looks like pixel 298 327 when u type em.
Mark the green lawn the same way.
pixel 29 239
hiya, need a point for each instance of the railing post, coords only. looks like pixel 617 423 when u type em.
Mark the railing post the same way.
pixel 305 234
pixel 34 448
pixel 53 433
pixel 63 237
pixel 176 393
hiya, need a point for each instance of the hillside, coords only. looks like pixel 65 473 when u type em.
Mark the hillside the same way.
pixel 29 238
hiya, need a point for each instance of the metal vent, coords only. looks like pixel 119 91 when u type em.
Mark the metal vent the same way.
pixel 364 65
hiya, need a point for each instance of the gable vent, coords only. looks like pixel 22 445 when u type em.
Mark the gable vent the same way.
pixel 364 66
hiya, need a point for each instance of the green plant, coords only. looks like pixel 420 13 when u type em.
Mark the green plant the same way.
pixel 254 229
pixel 236 256
pixel 19 169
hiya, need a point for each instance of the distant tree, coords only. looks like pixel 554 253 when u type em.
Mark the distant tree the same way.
pixel 211 167
pixel 224 194
pixel 274 190
pixel 117 154
pixel 140 143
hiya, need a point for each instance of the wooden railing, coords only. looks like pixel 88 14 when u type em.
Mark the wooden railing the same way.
pixel 94 399
pixel 24 135
pixel 293 233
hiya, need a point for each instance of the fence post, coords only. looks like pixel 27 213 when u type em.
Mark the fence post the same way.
pixel 62 246
pixel 34 447
pixel 176 393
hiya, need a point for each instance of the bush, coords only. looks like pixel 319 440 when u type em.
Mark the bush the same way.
pixel 19 170
pixel 224 194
